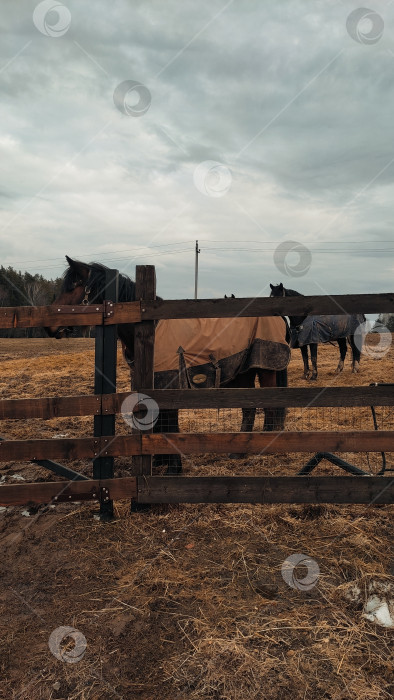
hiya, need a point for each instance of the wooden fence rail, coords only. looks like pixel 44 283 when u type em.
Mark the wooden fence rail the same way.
pixel 266 306
pixel 308 397
pixel 145 310
pixel 219 489
pixel 198 443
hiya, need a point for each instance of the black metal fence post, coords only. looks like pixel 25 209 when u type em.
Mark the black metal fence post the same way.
pixel 105 383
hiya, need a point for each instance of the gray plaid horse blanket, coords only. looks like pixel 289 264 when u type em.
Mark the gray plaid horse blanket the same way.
pixel 323 329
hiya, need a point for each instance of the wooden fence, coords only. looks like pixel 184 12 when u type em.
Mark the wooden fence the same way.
pixel 104 445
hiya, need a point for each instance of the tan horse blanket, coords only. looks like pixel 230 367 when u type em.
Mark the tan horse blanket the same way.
pixel 201 352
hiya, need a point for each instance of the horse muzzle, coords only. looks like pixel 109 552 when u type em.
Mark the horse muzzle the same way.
pixel 62 332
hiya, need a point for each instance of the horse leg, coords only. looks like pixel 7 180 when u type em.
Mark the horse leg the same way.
pixel 304 352
pixel 356 355
pixel 342 354
pixel 313 347
pixel 274 418
pixel 244 381
pixel 167 422
pixel 279 414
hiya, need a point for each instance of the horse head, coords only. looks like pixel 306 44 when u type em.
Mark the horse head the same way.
pixel 74 291
pixel 86 283
pixel 277 290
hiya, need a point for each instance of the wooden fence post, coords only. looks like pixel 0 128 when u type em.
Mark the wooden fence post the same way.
pixel 105 383
pixel 144 341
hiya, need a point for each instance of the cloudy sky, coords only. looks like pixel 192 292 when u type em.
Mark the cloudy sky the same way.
pixel 130 129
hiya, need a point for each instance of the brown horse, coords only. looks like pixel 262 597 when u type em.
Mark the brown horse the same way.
pixel 192 352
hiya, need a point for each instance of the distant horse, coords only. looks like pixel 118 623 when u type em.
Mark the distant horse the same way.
pixel 192 352
pixel 307 331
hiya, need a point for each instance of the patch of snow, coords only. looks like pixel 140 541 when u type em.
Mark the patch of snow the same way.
pixel 378 601
pixel 378 610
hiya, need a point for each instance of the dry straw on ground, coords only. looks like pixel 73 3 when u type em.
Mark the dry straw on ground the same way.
pixel 188 601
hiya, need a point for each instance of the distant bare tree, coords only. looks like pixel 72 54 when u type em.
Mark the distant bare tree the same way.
pixel 35 293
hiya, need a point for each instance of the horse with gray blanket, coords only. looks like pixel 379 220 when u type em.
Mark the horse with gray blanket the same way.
pixel 308 331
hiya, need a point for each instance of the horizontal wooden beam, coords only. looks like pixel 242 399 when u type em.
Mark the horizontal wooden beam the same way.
pixel 272 489
pixel 125 312
pixel 379 395
pixel 60 491
pixel 198 443
pixel 266 443
pixel 66 315
pixel 63 406
pixel 133 312
pixel 50 407
pixel 266 306
pixel 41 316
pixel 69 448
pixel 216 489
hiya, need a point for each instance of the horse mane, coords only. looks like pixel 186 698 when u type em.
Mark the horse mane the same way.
pixel 292 293
pixel 97 281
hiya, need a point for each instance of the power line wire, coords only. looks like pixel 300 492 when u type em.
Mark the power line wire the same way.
pixel 150 255
pixel 163 245
pixel 109 252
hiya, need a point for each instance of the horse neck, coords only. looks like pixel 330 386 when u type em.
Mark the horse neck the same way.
pixel 295 320
pixel 126 330
pixel 126 335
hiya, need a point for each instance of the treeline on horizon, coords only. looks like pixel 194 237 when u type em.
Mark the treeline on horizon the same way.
pixel 25 289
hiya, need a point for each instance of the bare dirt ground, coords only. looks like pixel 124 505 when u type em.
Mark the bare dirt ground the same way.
pixel 189 601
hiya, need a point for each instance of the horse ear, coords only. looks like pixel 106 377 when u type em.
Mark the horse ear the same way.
pixel 271 285
pixel 81 268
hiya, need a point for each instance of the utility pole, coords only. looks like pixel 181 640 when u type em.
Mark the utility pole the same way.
pixel 196 271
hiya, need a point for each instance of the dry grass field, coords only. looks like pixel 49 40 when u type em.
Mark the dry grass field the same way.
pixel 189 601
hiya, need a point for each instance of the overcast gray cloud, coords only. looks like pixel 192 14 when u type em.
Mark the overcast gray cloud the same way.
pixel 298 111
